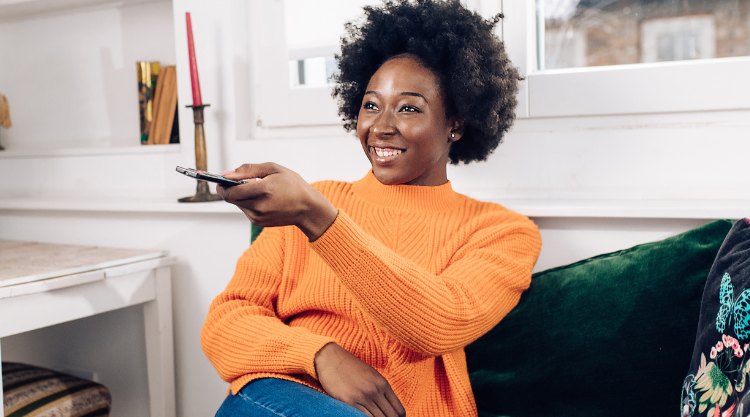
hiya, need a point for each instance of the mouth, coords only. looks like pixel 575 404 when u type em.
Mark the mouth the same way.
pixel 385 155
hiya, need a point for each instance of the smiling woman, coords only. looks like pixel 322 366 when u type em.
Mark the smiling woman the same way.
pixel 402 124
pixel 362 299
pixel 473 75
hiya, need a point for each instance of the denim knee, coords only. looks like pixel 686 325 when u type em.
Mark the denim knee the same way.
pixel 271 397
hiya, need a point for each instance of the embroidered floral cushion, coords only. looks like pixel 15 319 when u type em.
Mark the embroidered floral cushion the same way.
pixel 607 336
pixel 718 375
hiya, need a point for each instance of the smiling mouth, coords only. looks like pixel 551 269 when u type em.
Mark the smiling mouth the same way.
pixel 385 153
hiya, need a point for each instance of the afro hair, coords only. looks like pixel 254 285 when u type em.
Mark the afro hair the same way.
pixel 476 77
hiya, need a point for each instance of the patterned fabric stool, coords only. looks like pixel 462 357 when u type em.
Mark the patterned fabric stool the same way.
pixel 39 392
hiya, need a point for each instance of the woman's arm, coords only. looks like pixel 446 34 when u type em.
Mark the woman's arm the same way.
pixel 277 196
pixel 429 313
pixel 242 333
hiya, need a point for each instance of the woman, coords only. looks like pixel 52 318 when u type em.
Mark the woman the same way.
pixel 364 298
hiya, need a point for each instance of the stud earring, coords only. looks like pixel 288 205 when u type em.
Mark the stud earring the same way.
pixel 453 135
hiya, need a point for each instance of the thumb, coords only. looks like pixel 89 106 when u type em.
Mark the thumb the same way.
pixel 246 171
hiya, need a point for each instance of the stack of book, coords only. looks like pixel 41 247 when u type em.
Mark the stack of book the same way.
pixel 158 103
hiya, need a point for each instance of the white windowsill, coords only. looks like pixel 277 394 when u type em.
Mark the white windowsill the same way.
pixel 565 208
pixel 645 209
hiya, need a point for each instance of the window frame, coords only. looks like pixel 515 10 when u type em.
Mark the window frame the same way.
pixel 277 105
pixel 647 88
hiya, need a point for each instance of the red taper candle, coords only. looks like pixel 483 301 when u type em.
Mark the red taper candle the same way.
pixel 194 82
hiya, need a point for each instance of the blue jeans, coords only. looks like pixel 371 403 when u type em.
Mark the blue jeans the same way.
pixel 271 397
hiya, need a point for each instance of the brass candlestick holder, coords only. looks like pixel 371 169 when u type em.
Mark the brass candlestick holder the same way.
pixel 202 193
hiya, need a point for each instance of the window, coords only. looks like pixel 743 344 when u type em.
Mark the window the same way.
pixel 599 57
pixel 293 84
pixel 317 71
pixel 679 38
pixel 312 43
pixel 616 32
pixel 580 57
pixel 564 48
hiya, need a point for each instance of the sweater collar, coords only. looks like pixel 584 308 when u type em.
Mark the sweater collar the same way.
pixel 407 197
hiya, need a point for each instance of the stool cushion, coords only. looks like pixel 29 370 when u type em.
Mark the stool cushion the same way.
pixel 33 391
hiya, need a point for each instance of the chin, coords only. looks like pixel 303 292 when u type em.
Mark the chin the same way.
pixel 387 179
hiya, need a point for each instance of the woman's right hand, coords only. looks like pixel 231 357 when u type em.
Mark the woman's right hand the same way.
pixel 278 196
pixel 346 378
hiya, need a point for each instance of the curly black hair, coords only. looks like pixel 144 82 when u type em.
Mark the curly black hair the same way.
pixel 476 77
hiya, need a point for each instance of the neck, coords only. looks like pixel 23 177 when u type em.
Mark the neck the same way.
pixel 406 196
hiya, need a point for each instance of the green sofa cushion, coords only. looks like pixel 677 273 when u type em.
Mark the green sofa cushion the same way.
pixel 608 336
pixel 254 232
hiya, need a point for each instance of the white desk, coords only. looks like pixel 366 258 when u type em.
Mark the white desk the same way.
pixel 46 284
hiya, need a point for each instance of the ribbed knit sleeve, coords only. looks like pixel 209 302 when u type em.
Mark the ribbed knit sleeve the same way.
pixel 242 333
pixel 429 313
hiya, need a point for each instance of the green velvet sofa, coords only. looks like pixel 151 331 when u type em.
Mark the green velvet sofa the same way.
pixel 607 336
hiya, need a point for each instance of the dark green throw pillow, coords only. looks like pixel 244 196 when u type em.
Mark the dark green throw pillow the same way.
pixel 608 336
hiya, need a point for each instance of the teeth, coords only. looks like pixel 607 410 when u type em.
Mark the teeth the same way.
pixel 382 152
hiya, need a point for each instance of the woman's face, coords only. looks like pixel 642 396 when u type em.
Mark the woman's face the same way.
pixel 402 124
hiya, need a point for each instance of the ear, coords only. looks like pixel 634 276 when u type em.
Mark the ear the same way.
pixel 457 129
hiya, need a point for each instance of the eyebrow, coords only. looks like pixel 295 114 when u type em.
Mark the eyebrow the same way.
pixel 405 93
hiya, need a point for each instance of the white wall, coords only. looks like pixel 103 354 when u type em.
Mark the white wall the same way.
pixel 593 185
pixel 82 100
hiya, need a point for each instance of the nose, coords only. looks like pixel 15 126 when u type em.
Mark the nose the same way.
pixel 383 125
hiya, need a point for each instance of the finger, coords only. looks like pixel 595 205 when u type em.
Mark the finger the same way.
pixel 362 409
pixel 250 190
pixel 252 215
pixel 372 408
pixel 385 406
pixel 376 411
pixel 246 171
pixel 395 403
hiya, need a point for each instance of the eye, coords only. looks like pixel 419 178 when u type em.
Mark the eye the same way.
pixel 369 105
pixel 410 109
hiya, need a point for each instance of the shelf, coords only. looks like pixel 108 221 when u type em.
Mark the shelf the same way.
pixel 11 10
pixel 76 90
pixel 92 151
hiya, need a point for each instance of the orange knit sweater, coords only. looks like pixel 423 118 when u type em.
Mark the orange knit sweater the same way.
pixel 404 279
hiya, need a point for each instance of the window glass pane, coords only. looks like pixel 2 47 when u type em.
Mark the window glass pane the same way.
pixel 313 31
pixel 581 33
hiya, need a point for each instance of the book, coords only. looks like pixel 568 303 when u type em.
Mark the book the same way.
pixel 148 72
pixel 4 112
pixel 4 115
pixel 163 128
pixel 158 88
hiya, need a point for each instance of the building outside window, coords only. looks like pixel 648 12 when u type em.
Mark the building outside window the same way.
pixel 678 38
pixel 617 32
